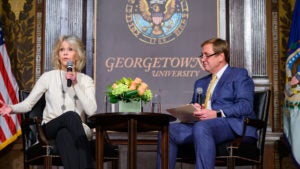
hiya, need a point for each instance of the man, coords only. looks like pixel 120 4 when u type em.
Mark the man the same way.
pixel 222 113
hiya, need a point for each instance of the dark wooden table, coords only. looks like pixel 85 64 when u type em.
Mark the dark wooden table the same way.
pixel 132 123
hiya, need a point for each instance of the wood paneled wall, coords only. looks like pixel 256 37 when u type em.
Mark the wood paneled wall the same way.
pixel 256 29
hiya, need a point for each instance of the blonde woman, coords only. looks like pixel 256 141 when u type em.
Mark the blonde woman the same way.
pixel 65 104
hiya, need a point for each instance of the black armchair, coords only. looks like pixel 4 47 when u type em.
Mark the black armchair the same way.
pixel 40 151
pixel 239 152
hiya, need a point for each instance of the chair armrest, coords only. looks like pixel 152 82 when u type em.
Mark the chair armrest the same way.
pixel 89 123
pixel 259 124
pixel 29 121
pixel 37 121
pixel 41 135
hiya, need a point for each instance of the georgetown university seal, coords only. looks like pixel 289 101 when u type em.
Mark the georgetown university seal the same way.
pixel 157 21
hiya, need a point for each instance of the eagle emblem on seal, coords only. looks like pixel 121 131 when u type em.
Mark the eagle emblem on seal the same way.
pixel 157 21
pixel 157 11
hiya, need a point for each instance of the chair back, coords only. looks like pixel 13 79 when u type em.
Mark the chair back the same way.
pixel 230 154
pixel 29 132
pixel 40 151
pixel 261 108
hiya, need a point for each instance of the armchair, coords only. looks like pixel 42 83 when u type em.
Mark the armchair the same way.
pixel 239 152
pixel 40 151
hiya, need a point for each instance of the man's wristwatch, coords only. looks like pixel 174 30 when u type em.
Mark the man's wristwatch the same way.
pixel 219 114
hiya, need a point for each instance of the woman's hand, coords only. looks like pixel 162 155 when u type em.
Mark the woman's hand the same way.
pixel 4 108
pixel 72 76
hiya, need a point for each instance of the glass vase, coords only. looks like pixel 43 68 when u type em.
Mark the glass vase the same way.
pixel 133 106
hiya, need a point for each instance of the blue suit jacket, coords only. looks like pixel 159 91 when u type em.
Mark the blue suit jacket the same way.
pixel 234 94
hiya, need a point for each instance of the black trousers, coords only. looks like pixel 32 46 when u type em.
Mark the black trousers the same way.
pixel 70 140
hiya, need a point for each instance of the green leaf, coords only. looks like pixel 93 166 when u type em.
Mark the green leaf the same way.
pixel 113 99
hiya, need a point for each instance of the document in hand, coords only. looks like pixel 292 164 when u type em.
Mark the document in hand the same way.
pixel 184 113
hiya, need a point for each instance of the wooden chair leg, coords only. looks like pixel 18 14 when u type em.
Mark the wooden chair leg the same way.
pixel 259 166
pixel 115 164
pixel 48 163
pixel 230 163
pixel 26 166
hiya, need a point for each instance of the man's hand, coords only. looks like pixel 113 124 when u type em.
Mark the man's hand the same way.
pixel 204 114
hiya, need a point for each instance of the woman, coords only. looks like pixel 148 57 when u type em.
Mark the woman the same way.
pixel 64 105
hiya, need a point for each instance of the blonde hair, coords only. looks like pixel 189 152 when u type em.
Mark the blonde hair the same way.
pixel 76 44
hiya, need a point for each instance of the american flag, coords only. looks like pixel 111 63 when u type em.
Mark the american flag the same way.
pixel 10 124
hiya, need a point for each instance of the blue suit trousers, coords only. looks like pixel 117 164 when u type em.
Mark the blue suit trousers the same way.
pixel 203 134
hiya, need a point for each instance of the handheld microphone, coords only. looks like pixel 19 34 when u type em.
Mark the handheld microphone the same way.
pixel 69 69
pixel 199 92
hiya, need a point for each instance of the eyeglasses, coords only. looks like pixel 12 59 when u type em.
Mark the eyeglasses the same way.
pixel 207 56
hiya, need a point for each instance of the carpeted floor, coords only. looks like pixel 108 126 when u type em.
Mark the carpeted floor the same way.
pixel 285 159
pixel 288 163
pixel 12 158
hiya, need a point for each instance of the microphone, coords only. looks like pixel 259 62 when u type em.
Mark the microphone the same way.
pixel 199 92
pixel 69 69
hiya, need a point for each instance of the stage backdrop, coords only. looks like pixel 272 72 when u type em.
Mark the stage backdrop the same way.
pixel 156 40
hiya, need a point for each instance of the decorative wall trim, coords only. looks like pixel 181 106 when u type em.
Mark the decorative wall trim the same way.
pixel 39 38
pixel 63 17
pixel 275 70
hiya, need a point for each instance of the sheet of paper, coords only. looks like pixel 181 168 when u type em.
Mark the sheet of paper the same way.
pixel 183 113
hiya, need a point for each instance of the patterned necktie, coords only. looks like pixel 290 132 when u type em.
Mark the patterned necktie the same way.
pixel 208 93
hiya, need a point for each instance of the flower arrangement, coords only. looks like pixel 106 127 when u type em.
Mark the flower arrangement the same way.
pixel 127 90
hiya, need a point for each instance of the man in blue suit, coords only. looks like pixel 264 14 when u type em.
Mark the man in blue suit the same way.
pixel 221 117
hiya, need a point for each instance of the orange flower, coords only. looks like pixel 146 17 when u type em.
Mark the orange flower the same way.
pixel 138 80
pixel 142 88
pixel 133 85
pixel 141 91
pixel 114 86
pixel 143 85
